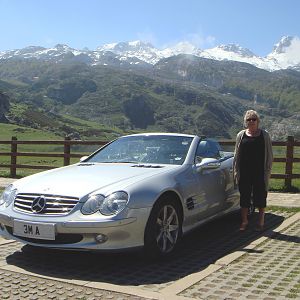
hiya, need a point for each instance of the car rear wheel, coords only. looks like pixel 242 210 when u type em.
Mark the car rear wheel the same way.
pixel 164 228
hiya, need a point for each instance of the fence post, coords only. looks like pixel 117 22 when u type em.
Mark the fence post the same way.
pixel 67 151
pixel 289 162
pixel 13 157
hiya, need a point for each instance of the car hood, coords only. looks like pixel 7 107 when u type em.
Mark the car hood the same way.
pixel 81 179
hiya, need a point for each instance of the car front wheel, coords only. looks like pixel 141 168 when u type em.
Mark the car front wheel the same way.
pixel 164 228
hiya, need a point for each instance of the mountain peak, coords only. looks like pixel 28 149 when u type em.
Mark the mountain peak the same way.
pixel 235 48
pixel 139 53
pixel 62 47
pixel 125 46
pixel 185 47
pixel 139 43
pixel 284 43
pixel 286 52
pixel 34 48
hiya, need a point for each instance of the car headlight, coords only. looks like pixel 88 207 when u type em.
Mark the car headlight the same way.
pixel 114 203
pixel 92 204
pixel 110 205
pixel 8 195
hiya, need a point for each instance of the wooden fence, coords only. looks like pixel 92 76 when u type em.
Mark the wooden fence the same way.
pixel 289 158
pixel 66 154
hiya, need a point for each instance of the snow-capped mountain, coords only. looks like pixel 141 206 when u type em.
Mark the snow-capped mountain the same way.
pixel 285 54
pixel 237 53
pixel 58 53
pixel 136 49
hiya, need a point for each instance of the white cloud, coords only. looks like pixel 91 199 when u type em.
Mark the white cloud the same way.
pixel 200 41
pixel 293 50
pixel 48 41
pixel 147 36
pixel 193 40
pixel 289 55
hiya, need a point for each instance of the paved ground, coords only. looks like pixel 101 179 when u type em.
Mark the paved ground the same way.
pixel 214 262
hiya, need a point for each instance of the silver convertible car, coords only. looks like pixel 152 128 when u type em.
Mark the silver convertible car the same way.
pixel 142 190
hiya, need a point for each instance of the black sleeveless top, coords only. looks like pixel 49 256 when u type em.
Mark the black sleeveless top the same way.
pixel 252 155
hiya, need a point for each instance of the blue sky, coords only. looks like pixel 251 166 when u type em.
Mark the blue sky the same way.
pixel 254 24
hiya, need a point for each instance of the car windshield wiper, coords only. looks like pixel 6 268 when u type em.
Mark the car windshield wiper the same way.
pixel 116 161
pixel 126 162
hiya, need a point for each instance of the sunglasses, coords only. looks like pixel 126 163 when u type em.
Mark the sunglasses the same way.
pixel 251 119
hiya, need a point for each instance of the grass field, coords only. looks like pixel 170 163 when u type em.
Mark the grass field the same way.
pixel 279 168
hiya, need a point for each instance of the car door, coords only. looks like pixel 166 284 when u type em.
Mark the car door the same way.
pixel 210 179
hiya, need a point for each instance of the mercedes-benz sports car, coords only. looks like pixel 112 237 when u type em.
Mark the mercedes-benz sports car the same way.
pixel 142 190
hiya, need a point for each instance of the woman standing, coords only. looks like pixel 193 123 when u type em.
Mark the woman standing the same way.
pixel 252 165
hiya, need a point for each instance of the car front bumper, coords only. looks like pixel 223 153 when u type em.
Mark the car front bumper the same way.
pixel 72 233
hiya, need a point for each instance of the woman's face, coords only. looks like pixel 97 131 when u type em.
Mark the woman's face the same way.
pixel 252 122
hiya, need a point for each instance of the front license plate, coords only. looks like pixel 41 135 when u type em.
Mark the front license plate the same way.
pixel 43 231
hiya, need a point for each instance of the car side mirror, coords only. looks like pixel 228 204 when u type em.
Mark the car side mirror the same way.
pixel 83 158
pixel 208 164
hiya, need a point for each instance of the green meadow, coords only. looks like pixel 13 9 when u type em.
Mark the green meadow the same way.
pixel 279 168
pixel 29 134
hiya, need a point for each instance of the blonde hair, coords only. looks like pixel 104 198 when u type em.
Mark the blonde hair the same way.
pixel 249 114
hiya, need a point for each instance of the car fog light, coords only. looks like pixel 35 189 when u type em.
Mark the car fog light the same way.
pixel 101 238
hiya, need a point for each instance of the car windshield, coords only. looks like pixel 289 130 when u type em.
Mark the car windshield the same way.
pixel 152 149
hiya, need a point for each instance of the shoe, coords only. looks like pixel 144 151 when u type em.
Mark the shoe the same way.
pixel 259 228
pixel 243 226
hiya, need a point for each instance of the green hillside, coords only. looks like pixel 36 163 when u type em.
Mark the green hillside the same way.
pixel 179 94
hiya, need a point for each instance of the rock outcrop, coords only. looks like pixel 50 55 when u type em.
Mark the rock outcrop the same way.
pixel 4 107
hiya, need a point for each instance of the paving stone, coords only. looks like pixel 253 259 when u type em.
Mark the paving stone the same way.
pixel 269 273
pixel 47 290
pixel 243 276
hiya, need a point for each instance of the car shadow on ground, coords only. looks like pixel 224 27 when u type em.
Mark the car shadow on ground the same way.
pixel 196 251
pixel 284 237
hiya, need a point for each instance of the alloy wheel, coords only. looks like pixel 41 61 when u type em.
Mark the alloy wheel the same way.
pixel 167 228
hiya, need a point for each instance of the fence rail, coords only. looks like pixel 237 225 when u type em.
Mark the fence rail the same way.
pixel 67 154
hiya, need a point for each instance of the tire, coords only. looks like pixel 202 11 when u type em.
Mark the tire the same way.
pixel 164 228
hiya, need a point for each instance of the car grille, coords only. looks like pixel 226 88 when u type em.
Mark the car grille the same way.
pixel 55 204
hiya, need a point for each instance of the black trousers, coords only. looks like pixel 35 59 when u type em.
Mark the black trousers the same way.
pixel 252 185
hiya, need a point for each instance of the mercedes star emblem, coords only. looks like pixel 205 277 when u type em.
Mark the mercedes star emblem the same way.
pixel 38 204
